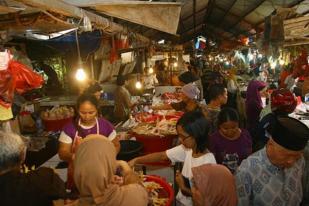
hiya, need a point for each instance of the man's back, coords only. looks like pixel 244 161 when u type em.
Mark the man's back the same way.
pixel 36 188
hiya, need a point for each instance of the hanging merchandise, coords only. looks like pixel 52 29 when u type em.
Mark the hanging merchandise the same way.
pixel 17 77
pixel 277 31
pixel 121 41
pixel 5 57
pixel 113 53
pixel 6 81
pixel 5 113
pixel 25 79
pixel 301 67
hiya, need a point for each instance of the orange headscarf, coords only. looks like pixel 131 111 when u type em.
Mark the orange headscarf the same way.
pixel 94 167
pixel 216 185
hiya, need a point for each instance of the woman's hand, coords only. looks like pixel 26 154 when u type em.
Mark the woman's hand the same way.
pixel 117 180
pixel 124 166
pixel 179 180
pixel 132 162
pixel 196 196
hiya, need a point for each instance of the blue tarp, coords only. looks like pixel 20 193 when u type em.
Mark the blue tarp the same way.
pixel 89 42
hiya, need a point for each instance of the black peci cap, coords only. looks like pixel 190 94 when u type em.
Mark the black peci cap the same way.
pixel 290 133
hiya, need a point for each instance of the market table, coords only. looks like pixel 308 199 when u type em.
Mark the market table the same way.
pixel 37 158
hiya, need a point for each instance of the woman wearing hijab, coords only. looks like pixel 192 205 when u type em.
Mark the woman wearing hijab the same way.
pixel 189 100
pixel 254 104
pixel 214 186
pixel 94 171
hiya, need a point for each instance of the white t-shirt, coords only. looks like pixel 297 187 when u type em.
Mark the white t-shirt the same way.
pixel 181 154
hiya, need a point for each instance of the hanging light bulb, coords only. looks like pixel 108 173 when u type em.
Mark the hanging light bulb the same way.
pixel 80 74
pixel 273 65
pixel 175 64
pixel 150 71
pixel 138 85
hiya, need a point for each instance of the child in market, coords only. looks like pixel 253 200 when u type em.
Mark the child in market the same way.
pixel 192 129
pixel 229 143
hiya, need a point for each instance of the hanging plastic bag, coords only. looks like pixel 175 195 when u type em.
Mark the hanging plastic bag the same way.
pixel 6 88
pixel 24 78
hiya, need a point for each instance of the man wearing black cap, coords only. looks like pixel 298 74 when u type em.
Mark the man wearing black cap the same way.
pixel 273 175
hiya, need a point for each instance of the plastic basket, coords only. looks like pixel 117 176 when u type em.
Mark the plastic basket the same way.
pixel 155 143
pixel 167 187
pixel 56 125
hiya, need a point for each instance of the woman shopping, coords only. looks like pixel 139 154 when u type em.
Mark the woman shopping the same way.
pixel 254 104
pixel 192 129
pixel 95 167
pixel 214 185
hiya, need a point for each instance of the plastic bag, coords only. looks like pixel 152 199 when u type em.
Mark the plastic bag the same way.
pixel 6 88
pixel 24 78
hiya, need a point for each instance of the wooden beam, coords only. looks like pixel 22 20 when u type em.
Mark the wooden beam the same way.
pixel 230 13
pixel 210 6
pixel 73 11
pixel 90 3
pixel 197 12
pixel 255 6
pixel 194 14
pixel 296 42
pixel 6 9
pixel 227 11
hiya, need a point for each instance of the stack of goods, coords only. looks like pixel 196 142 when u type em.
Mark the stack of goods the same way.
pixel 162 128
pixel 169 97
pixel 58 113
pixel 56 118
pixel 147 117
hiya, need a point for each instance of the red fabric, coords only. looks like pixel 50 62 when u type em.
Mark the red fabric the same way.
pixel 284 74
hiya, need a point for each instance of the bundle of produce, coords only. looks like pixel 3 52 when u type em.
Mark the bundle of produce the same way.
pixel 58 113
pixel 159 191
pixel 161 128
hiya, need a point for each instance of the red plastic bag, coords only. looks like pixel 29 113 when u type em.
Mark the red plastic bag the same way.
pixel 24 78
pixel 6 88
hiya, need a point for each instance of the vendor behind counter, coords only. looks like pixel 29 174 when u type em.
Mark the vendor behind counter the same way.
pixel 189 95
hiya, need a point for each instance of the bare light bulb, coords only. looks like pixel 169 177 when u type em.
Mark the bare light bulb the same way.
pixel 150 71
pixel 273 65
pixel 138 85
pixel 175 64
pixel 80 75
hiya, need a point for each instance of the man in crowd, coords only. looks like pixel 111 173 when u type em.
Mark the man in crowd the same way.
pixel 38 187
pixel 273 175
pixel 217 98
